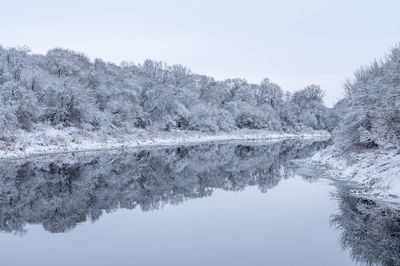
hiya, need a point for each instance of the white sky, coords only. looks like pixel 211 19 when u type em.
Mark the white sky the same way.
pixel 293 43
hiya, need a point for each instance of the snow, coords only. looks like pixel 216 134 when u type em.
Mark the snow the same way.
pixel 51 140
pixel 377 170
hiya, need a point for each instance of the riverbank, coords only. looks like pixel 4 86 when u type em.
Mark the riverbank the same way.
pixel 376 170
pixel 50 140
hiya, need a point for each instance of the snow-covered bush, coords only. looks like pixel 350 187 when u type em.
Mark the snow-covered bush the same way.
pixel 202 118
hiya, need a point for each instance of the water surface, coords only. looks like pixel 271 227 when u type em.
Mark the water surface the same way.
pixel 212 204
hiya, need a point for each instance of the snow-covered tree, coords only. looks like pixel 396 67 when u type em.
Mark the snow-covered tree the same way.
pixel 66 89
pixel 371 108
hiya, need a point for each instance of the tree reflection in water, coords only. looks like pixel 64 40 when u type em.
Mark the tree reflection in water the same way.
pixel 59 192
pixel 369 229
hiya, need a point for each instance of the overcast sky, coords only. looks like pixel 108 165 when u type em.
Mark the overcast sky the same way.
pixel 293 43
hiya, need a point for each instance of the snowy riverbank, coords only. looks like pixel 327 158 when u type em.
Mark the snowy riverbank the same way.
pixel 377 170
pixel 52 140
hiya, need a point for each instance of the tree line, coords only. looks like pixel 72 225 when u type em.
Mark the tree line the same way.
pixel 66 89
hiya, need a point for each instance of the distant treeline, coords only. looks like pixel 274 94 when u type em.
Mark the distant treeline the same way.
pixel 64 88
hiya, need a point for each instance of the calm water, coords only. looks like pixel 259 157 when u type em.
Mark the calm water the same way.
pixel 212 204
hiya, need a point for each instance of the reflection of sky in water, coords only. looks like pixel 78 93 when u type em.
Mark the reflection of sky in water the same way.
pixel 212 204
pixel 288 225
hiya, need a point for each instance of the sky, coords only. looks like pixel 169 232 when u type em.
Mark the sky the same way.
pixel 293 43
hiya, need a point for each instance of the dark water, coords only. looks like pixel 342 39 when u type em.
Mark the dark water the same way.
pixel 211 204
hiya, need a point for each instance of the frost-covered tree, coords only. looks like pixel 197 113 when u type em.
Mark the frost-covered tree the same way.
pixel 66 89
pixel 371 107
pixel 307 109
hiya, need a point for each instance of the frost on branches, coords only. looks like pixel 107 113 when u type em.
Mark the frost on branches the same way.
pixel 64 89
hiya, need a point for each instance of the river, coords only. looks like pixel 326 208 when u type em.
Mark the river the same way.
pixel 235 203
